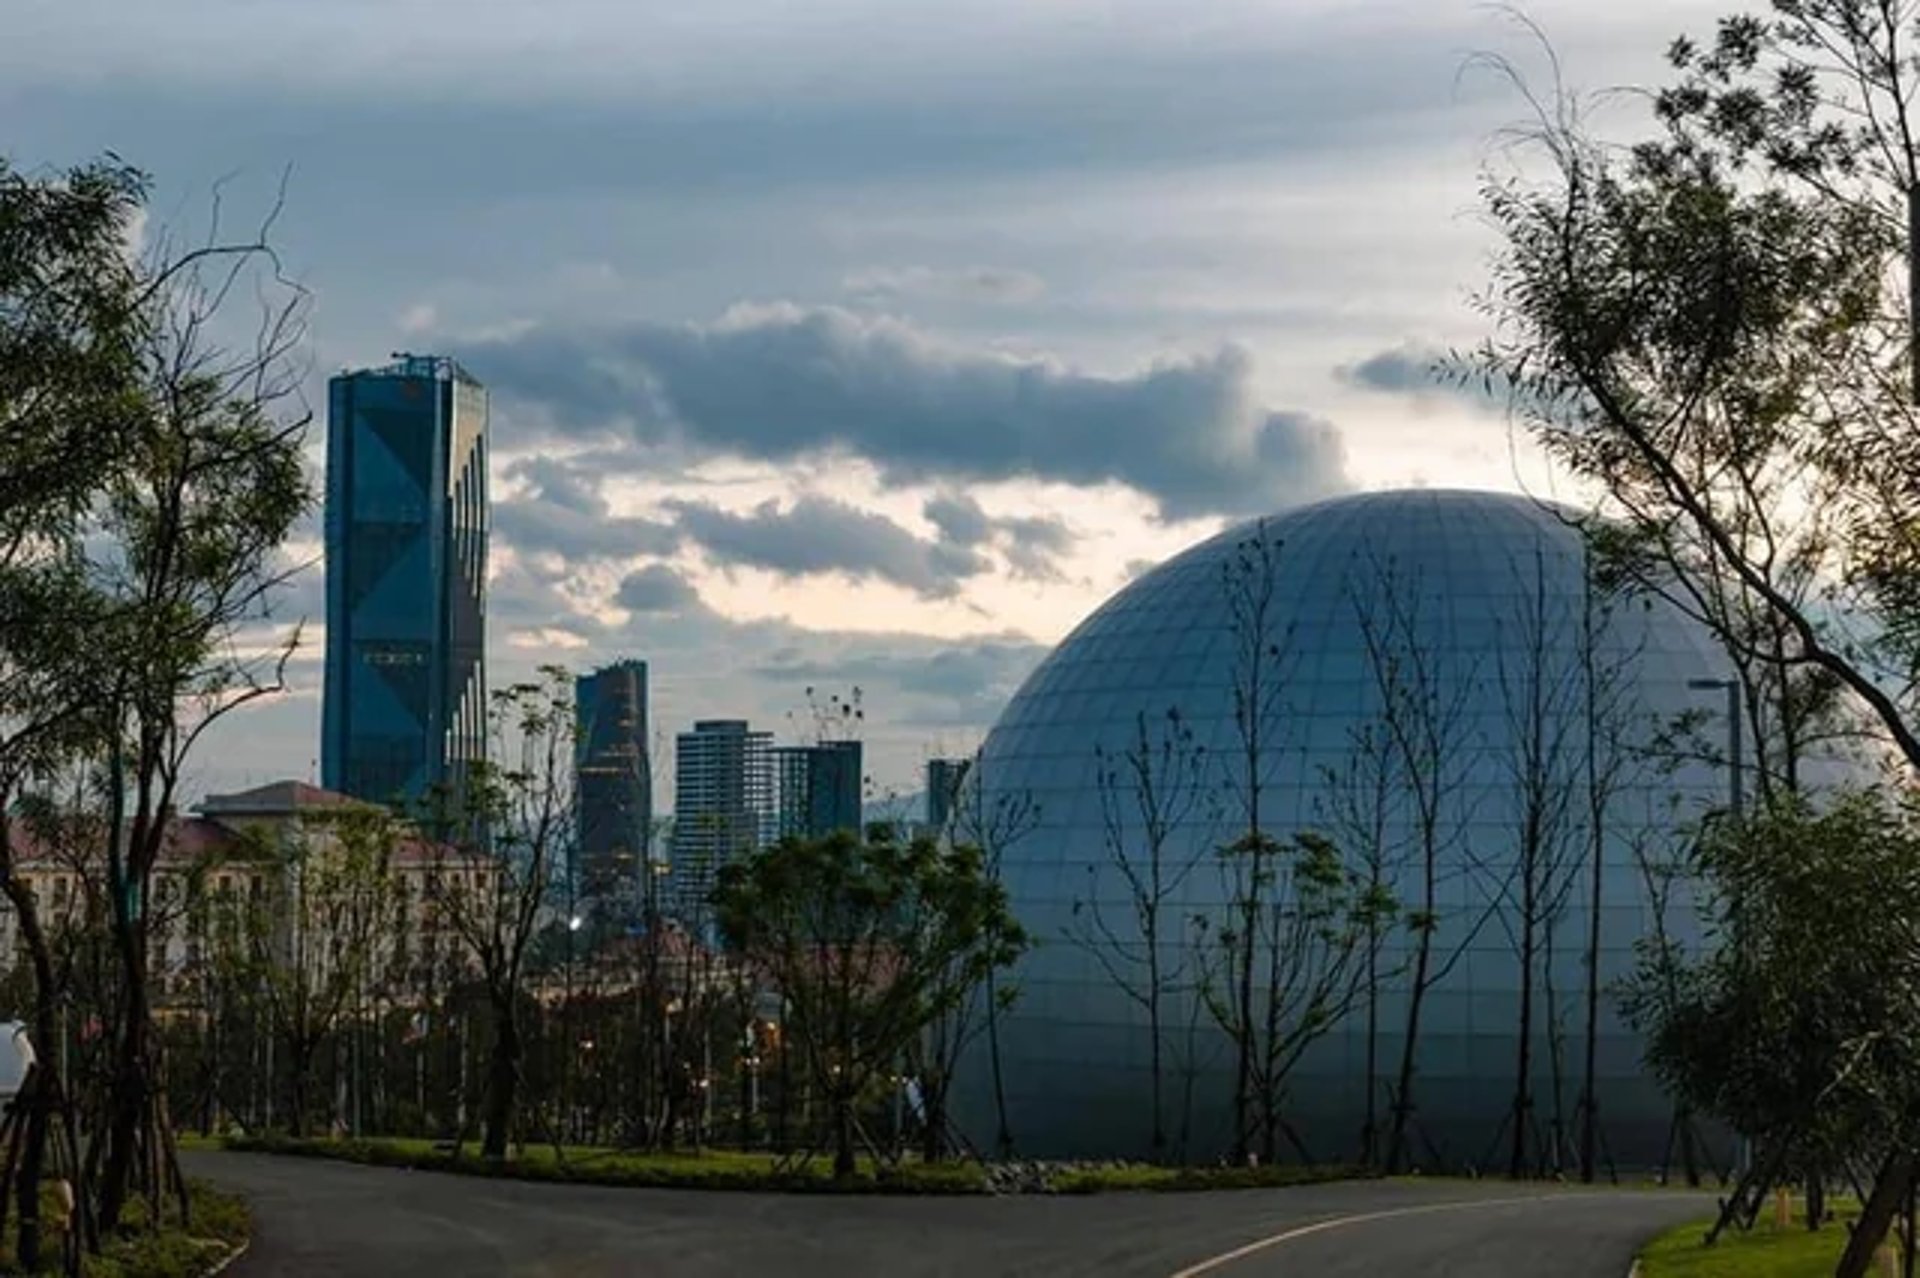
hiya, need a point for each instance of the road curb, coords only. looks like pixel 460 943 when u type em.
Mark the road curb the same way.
pixel 227 1260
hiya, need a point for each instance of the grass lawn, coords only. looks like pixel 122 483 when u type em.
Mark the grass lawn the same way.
pixel 707 1169
pixel 220 1223
pixel 1145 1176
pixel 733 1169
pixel 1768 1251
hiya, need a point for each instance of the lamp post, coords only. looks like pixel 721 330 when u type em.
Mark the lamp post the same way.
pixel 1736 793
pixel 574 923
pixel 1735 803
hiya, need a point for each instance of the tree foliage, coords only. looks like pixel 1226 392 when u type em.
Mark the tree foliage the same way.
pixel 868 942
pixel 1796 1022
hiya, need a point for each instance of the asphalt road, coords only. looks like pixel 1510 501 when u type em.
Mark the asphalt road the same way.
pixel 313 1219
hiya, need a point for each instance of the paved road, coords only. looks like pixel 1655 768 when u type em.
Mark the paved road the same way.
pixel 314 1219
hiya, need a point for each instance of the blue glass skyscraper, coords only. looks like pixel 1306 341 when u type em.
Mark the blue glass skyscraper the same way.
pixel 406 528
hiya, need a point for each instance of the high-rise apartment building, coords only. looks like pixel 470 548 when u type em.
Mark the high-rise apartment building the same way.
pixel 817 789
pixel 722 805
pixel 406 546
pixel 944 779
pixel 614 768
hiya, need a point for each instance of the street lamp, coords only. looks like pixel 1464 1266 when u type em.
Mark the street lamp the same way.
pixel 1731 687
pixel 574 923
pixel 1735 797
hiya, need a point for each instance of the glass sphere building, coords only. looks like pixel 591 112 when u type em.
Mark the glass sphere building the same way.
pixel 1447 634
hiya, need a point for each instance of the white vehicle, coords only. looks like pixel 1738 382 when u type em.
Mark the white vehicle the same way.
pixel 16 1055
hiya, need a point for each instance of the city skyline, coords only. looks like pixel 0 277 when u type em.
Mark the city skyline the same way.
pixel 1222 301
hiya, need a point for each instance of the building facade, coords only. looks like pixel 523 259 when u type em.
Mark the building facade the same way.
pixel 817 789
pixel 1442 615
pixel 236 861
pixel 944 779
pixel 722 807
pixel 615 774
pixel 404 710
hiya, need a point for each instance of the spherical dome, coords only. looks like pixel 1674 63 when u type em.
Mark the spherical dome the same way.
pixel 1426 631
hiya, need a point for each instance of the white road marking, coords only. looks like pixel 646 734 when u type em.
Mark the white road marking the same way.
pixel 1226 1258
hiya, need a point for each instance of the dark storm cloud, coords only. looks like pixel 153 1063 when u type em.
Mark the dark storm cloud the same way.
pixel 656 588
pixel 783 382
pixel 820 535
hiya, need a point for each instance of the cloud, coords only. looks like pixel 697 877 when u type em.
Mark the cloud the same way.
pixel 1422 373
pixel 965 284
pixel 782 382
pixel 563 513
pixel 1034 544
pixel 656 588
pixel 958 517
pixel 821 535
pixel 968 681
pixel 422 317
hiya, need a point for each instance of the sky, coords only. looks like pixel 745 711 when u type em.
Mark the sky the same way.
pixel 850 342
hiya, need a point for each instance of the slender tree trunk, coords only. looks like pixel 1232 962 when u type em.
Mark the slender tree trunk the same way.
pixel 1890 1192
pixel 1596 848
pixel 503 1079
pixel 933 1104
pixel 843 1161
pixel 1409 1047
pixel 1003 1138
pixel 1522 1109
pixel 1158 1144
pixel 129 1091
pixel 1369 1129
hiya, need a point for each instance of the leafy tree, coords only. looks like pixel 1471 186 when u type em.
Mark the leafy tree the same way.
pixel 69 362
pixel 1312 915
pixel 1715 327
pixel 1795 1025
pixel 868 941
pixel 313 940
pixel 186 552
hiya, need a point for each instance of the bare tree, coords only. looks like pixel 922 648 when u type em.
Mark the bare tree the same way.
pixel 1358 802
pixel 994 821
pixel 1613 734
pixel 504 838
pixel 1262 663
pixel 1151 791
pixel 1539 698
pixel 1425 699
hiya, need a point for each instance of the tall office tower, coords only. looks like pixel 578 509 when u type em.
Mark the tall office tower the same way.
pixel 722 804
pixel 406 521
pixel 944 779
pixel 817 789
pixel 614 767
